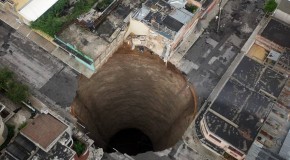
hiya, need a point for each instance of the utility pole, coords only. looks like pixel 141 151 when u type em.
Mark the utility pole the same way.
pixel 219 17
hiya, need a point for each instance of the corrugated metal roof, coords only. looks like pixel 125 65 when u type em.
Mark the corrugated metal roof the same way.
pixel 35 8
pixel 285 149
pixel 177 3
pixel 142 13
pixel 181 15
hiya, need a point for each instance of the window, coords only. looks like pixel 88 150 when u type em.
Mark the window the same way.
pixel 235 151
pixel 213 137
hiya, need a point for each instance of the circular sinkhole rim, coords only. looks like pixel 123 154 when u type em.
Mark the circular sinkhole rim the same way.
pixel 189 117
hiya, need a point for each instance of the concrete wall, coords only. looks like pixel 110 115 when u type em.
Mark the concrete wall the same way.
pixel 282 16
pixel 111 48
pixel 154 41
pixel 137 28
pixel 3 131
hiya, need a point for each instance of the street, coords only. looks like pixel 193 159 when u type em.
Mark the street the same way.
pixel 33 66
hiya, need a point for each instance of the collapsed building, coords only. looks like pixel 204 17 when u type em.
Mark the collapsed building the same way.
pixel 159 25
pixel 162 25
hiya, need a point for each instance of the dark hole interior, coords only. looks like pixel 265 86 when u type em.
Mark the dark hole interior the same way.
pixel 130 141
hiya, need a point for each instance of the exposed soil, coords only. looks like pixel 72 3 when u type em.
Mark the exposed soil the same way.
pixel 135 90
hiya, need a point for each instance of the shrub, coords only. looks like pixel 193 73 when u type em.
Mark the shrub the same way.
pixel 270 6
pixel 53 20
pixel 191 8
pixel 6 76
pixel 79 147
pixel 15 91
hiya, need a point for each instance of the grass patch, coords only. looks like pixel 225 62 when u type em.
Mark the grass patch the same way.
pixel 60 14
pixel 10 135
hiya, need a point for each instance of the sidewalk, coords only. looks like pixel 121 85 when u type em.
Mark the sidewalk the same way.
pixel 45 44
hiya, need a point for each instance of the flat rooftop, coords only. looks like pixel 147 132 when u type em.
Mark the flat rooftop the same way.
pixel 275 129
pixel 285 59
pixel 21 148
pixel 277 32
pixel 35 8
pixel 258 153
pixel 162 17
pixel 58 151
pixel 95 41
pixel 243 107
pixel 248 72
pixel 243 104
pixel 172 23
pixel 226 131
pixel 257 52
pixel 256 76
pixel 272 82
pixel 44 130
pixel 284 97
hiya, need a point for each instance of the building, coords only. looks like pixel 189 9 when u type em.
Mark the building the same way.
pixel 159 25
pixel 107 28
pixel 239 116
pixel 277 33
pixel 27 10
pixel 46 137
pixel 283 12
pixel 251 113
pixel 162 25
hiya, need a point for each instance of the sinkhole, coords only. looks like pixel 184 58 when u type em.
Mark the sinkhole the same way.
pixel 135 103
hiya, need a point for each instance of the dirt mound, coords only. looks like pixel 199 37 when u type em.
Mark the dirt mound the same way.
pixel 135 91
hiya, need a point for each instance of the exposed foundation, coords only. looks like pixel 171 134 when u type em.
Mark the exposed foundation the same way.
pixel 135 92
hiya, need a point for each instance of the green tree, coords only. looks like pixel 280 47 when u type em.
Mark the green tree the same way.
pixel 191 8
pixel 6 76
pixel 60 15
pixel 270 6
pixel 17 92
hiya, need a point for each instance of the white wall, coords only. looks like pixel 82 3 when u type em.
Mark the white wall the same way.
pixel 2 131
pixel 137 27
pixel 282 16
